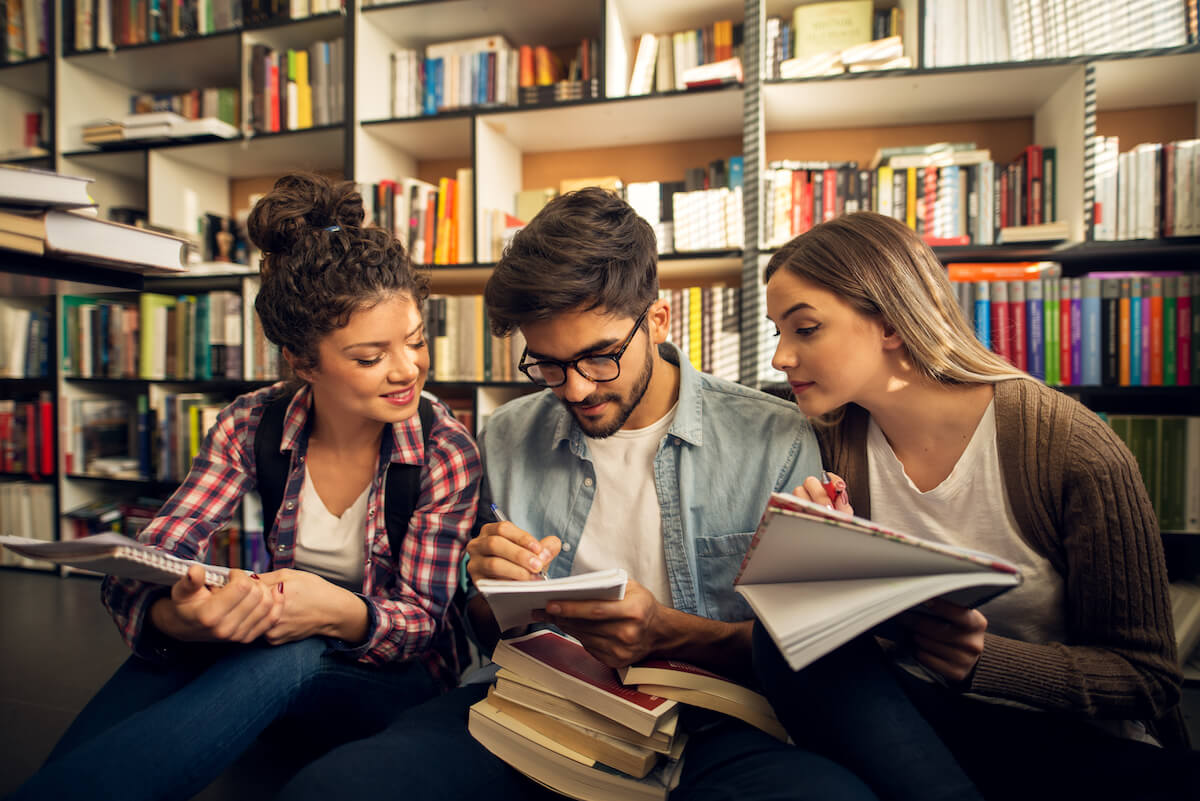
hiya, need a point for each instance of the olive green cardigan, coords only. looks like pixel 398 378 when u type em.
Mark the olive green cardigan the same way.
pixel 1079 501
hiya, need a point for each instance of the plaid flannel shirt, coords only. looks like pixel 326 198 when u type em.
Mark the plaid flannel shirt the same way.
pixel 408 595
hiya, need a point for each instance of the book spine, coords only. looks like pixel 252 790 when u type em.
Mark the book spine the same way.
pixel 1170 364
pixel 1076 331
pixel 983 318
pixel 1036 344
pixel 1135 332
pixel 1090 374
pixel 1050 310
pixel 1064 332
pixel 1001 324
pixel 1019 326
pixel 1183 331
pixel 1155 330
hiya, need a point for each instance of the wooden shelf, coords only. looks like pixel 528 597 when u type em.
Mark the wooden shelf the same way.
pixel 416 24
pixel 169 65
pixel 32 76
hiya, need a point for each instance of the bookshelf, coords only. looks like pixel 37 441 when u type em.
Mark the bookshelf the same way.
pixel 1143 95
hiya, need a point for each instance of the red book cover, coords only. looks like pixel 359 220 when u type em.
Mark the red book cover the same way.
pixel 1156 337
pixel 797 221
pixel 1064 340
pixel 806 208
pixel 570 657
pixel 1183 339
pixel 273 93
pixel 829 197
pixel 1033 184
pixel 46 434
pixel 6 417
pixel 28 411
pixel 1020 355
pixel 1001 312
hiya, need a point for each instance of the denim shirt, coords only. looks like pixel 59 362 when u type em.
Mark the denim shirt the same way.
pixel 728 448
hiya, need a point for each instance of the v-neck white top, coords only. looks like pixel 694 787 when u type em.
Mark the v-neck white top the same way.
pixel 333 547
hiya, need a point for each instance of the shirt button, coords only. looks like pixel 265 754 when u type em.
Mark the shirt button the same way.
pixel 281 548
pixel 290 505
pixel 587 482
pixel 566 546
pixel 370 513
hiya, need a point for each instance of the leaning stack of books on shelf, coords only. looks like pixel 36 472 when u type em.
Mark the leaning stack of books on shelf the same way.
pixel 1147 192
pixel 462 346
pixel 705 326
pixel 46 213
pixel 991 31
pixel 687 59
pixel 433 222
pixel 25 23
pixel 1100 329
pixel 549 75
pixel 830 38
pixel 1167 449
pixel 296 88
pixel 949 193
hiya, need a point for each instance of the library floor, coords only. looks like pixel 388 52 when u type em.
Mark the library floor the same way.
pixel 59 646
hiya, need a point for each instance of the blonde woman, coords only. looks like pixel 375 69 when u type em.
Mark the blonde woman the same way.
pixel 1073 675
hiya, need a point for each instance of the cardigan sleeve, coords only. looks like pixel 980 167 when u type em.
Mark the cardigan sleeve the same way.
pixel 1090 514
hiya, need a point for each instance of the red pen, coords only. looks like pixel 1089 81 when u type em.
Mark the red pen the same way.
pixel 830 489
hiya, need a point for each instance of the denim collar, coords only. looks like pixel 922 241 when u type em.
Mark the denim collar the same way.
pixel 687 425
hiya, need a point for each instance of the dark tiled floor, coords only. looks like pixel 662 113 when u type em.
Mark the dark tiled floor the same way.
pixel 58 646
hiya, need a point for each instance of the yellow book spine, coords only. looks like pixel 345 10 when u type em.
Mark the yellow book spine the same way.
pixel 695 333
pixel 910 200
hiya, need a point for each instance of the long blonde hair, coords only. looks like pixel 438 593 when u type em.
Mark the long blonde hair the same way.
pixel 882 268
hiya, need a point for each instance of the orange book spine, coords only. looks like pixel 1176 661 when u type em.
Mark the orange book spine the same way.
pixel 1156 340
pixel 526 60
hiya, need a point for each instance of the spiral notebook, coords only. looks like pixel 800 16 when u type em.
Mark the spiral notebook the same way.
pixel 116 555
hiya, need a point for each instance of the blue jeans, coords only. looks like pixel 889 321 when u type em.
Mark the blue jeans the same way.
pixel 912 740
pixel 848 707
pixel 429 753
pixel 155 732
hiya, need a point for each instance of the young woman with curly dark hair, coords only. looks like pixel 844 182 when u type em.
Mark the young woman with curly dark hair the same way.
pixel 351 625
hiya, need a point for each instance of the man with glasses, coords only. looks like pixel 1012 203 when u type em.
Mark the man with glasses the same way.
pixel 630 458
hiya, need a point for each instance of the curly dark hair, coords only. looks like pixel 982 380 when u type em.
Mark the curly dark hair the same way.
pixel 586 249
pixel 320 264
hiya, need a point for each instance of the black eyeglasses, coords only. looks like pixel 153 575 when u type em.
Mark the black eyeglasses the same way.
pixel 597 368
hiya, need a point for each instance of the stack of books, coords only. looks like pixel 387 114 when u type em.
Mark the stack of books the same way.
pixel 588 731
pixel 156 125
pixel 563 718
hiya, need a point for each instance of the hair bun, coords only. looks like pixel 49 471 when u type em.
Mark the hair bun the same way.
pixel 298 207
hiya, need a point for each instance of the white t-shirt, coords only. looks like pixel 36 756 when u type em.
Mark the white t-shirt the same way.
pixel 624 525
pixel 334 548
pixel 970 509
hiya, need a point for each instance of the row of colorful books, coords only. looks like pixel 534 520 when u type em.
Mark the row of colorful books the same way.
pixel 662 60
pixel 955 196
pixel 24 340
pixel 25 23
pixel 705 325
pixel 295 89
pixel 103 24
pixel 187 337
pixel 1167 449
pixel 432 222
pixel 990 31
pixel 1147 192
pixel 1104 329
pixel 462 346
pixel 27 436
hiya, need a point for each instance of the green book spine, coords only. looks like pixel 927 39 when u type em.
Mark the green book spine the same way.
pixel 1144 435
pixel 1172 473
pixel 1051 323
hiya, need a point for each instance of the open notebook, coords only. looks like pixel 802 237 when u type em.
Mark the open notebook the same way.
pixel 116 555
pixel 513 602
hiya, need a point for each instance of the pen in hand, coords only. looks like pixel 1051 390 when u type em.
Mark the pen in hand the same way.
pixel 830 489
pixel 500 517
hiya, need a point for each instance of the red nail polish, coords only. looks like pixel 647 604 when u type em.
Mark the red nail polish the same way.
pixel 279 587
pixel 254 576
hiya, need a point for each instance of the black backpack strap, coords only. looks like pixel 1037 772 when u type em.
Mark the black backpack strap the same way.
pixel 271 465
pixel 403 482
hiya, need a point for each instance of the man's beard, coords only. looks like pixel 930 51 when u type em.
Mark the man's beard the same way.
pixel 625 406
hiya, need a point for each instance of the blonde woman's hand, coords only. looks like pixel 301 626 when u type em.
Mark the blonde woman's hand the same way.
pixel 813 490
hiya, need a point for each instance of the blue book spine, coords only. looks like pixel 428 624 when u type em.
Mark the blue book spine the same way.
pixel 429 96
pixel 1092 337
pixel 1135 333
pixel 1076 332
pixel 1035 345
pixel 143 437
pixel 983 314
pixel 737 169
